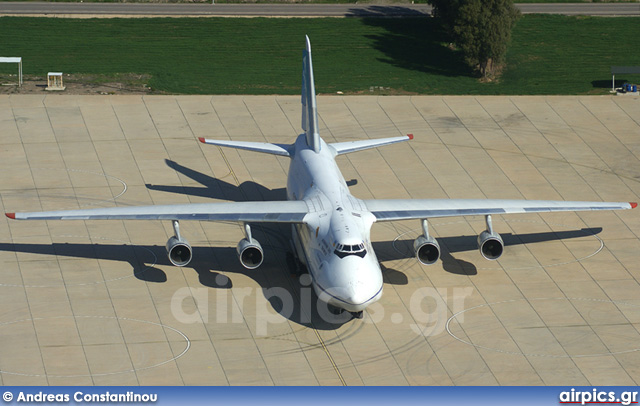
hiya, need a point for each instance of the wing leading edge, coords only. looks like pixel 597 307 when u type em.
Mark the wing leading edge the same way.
pixel 406 209
pixel 264 147
pixel 291 211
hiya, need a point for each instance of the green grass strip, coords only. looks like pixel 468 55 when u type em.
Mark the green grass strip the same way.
pixel 548 54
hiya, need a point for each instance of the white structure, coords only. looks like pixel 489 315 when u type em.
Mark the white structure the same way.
pixel 17 60
pixel 54 81
pixel 622 70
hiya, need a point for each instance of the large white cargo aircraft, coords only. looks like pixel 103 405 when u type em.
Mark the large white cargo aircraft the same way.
pixel 330 227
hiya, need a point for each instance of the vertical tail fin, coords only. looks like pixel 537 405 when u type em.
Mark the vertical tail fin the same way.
pixel 309 110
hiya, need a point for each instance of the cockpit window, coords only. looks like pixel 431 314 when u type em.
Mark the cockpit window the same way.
pixel 343 250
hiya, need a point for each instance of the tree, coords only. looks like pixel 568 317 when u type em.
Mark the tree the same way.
pixel 482 30
pixel 446 11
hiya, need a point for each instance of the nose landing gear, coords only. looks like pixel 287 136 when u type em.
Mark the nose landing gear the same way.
pixel 335 310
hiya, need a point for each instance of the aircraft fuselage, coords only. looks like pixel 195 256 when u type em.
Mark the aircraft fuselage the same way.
pixel 335 242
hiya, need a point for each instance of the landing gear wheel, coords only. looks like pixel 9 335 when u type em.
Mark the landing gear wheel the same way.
pixel 295 265
pixel 335 310
pixel 291 263
pixel 357 315
pixel 302 268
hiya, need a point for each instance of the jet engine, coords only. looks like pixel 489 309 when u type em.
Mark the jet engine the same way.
pixel 427 250
pixel 426 247
pixel 250 253
pixel 179 251
pixel 490 243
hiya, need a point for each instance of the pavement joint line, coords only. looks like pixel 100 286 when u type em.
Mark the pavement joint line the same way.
pixel 479 144
pixel 620 142
pixel 511 181
pixel 126 230
pixel 528 301
pixel 90 375
pixel 29 302
pixel 428 277
pixel 237 183
pixel 321 341
pixel 637 121
pixel 168 153
pixel 269 242
pixel 57 258
pixel 184 276
pixel 379 153
pixel 234 298
pixel 570 253
pixel 577 214
pixel 599 158
pixel 269 236
pixel 351 352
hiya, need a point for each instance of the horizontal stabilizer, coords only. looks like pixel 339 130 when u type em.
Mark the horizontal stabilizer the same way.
pixel 353 146
pixel 265 147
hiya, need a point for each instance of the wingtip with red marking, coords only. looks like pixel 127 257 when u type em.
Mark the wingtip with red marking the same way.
pixel 633 205
pixel 201 139
pixel 410 136
pixel 11 215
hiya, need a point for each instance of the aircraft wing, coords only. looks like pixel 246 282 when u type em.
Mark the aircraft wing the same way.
pixel 290 211
pixel 405 209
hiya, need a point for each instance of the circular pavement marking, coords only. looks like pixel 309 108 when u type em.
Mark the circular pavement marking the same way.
pixel 560 335
pixel 82 171
pixel 149 338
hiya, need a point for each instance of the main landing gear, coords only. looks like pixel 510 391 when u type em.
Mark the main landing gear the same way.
pixel 295 265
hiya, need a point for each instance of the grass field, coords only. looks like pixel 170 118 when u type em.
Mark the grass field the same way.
pixel 548 54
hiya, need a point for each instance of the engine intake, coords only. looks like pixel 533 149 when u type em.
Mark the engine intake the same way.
pixel 427 250
pixel 250 253
pixel 179 251
pixel 490 245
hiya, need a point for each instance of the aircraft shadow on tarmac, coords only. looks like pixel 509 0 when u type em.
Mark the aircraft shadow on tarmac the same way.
pixel 464 243
pixel 209 262
pixel 305 310
pixel 219 189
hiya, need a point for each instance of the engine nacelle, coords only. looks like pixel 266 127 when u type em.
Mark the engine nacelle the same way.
pixel 179 251
pixel 250 253
pixel 490 245
pixel 427 250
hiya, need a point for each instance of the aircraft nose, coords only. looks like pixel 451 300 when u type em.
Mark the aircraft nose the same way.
pixel 354 283
pixel 359 295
